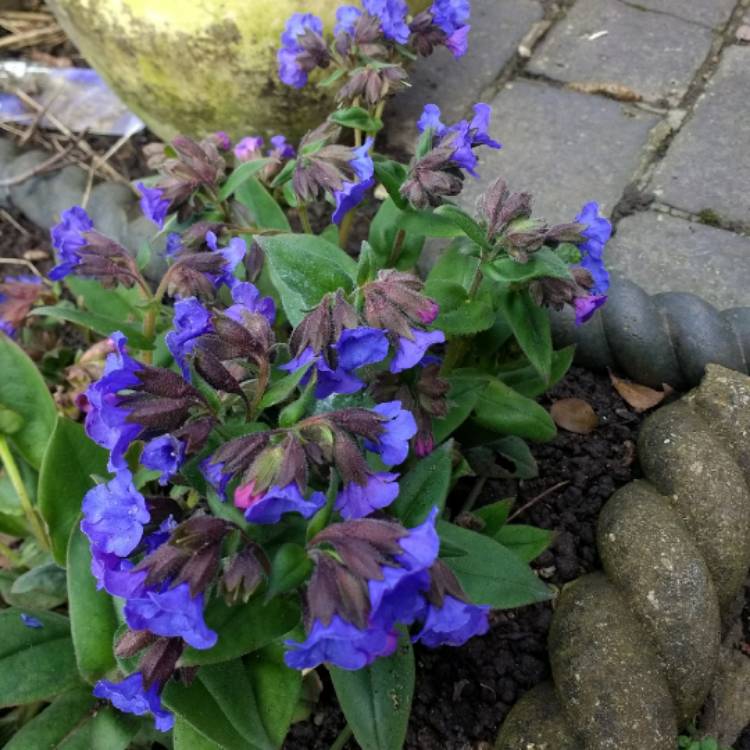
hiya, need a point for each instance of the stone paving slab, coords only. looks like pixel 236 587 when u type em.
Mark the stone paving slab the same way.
pixel 564 147
pixel 654 54
pixel 712 13
pixel 708 163
pixel 663 253
pixel 497 27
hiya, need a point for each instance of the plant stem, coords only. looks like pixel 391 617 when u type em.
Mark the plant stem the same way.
pixel 476 490
pixel 398 245
pixel 149 319
pixel 345 229
pixel 11 556
pixel 11 468
pixel 344 736
pixel 304 217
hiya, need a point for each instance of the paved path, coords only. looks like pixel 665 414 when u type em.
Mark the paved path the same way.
pixel 643 105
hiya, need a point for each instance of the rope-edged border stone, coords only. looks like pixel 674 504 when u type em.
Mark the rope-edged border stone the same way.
pixel 634 649
pixel 655 339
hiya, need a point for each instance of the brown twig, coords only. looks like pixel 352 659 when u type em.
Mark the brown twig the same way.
pixel 38 169
pixel 18 227
pixel 32 37
pixel 535 500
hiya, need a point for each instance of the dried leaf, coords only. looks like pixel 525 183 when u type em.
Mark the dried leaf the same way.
pixel 574 415
pixel 613 90
pixel 640 397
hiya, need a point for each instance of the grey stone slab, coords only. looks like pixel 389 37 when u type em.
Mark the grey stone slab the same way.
pixel 497 27
pixel 708 163
pixel 708 12
pixel 665 254
pixel 564 147
pixel 654 54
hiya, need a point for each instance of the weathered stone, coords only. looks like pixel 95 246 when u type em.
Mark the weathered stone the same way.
pixel 653 54
pixel 708 12
pixel 728 707
pixel 454 85
pixel 723 399
pixel 682 458
pixel 607 675
pixel 566 165
pixel 702 169
pixel 651 558
pixel 739 319
pixel 537 723
pixel 665 254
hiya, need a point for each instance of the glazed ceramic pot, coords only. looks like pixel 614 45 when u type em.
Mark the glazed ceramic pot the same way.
pixel 197 66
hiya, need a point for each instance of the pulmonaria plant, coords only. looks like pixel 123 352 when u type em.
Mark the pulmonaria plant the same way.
pixel 287 421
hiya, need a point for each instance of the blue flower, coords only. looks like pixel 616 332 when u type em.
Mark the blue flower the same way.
pixel 361 346
pixel 114 515
pixel 458 42
pixel 392 15
pixel 346 20
pixel 215 476
pixel 107 422
pixel 430 118
pixel 165 454
pixel 116 575
pixel 357 500
pixel 233 254
pixel 342 644
pixel 172 613
pixel 174 244
pixel 68 239
pixel 31 622
pixel 409 353
pixel 248 148
pixel 597 231
pixel 153 204
pixel 191 320
pixel 398 429
pixel 452 624
pixel 290 71
pixel 585 307
pixel 130 697
pixel 247 299
pixel 352 193
pixel 281 149
pixel 268 507
pixel 450 15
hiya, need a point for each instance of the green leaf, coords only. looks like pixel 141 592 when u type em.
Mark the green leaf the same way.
pixel 462 398
pixel 526 380
pixel 504 410
pixel 23 390
pixel 65 477
pixel 465 223
pixel 290 567
pixel 528 542
pixel 93 620
pixel 10 421
pixel 494 516
pixel 489 572
pixel 376 700
pixel 392 174
pixel 455 265
pixel 531 327
pixel 276 688
pixel 284 387
pixel 514 449
pixel 541 263
pixel 42 587
pixel 424 487
pixel 264 210
pixel 101 324
pixel 240 175
pixel 120 302
pixel 459 314
pixel 304 268
pixel 35 663
pixel 243 628
pixel 382 239
pixel 357 118
pixel 428 224
pixel 186 737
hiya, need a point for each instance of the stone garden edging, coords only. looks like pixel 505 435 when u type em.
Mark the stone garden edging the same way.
pixel 634 649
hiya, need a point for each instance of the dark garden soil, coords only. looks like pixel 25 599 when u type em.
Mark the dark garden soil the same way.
pixel 462 695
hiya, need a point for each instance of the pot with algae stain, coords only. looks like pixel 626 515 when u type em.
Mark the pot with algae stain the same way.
pixel 197 66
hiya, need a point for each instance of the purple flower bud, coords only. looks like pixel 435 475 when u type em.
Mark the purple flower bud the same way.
pixel 31 622
pixel 17 296
pixel 191 320
pixel 393 443
pixel 130 697
pixel 410 352
pixel 233 254
pixel 221 139
pixel 173 613
pixel 268 507
pixel 114 515
pixel 392 15
pixel 358 500
pixel 165 454
pixel 215 476
pixel 247 299
pixel 351 194
pixel 68 240
pixel 452 624
pixel 281 149
pixel 153 204
pixel 248 148
pixel 342 644
pixel 458 42
pixel 346 20
pixel 174 244
pixel 292 71
pixel 585 307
